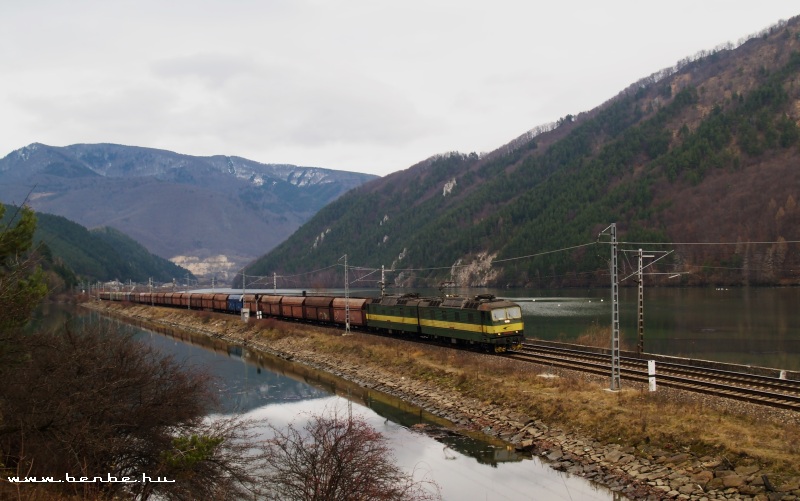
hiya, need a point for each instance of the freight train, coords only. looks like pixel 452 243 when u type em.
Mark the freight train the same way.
pixel 481 321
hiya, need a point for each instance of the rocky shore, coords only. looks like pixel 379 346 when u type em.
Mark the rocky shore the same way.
pixel 636 473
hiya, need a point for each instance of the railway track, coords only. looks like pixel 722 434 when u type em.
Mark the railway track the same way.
pixel 762 390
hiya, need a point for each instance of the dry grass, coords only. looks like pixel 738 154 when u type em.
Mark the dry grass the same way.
pixel 576 403
pixel 665 420
pixel 599 337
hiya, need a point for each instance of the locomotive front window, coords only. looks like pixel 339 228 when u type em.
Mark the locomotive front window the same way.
pixel 499 315
pixel 514 312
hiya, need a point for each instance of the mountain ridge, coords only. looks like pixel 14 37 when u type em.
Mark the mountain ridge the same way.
pixel 213 213
pixel 673 158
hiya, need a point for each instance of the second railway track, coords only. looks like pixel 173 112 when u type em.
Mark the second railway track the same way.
pixel 758 389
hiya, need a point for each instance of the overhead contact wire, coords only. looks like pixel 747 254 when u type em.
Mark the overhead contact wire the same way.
pixel 544 253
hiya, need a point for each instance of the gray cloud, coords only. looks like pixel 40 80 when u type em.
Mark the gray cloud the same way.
pixel 354 85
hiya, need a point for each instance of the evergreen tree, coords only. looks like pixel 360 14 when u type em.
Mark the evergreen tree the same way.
pixel 21 280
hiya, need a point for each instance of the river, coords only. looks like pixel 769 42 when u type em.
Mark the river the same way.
pixel 269 389
pixel 747 325
pixel 755 326
pixel 758 326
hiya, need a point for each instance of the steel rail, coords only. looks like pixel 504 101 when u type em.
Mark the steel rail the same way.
pixel 789 386
pixel 740 386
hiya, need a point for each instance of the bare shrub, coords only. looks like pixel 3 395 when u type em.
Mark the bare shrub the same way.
pixel 267 324
pixel 93 402
pixel 599 337
pixel 204 316
pixel 335 457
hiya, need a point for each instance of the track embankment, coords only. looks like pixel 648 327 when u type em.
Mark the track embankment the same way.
pixel 667 445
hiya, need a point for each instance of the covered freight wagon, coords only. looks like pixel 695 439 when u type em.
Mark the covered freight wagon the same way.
pixel 220 302
pixel 318 308
pixel 234 303
pixel 292 307
pixel 250 301
pixel 207 301
pixel 358 307
pixel 270 305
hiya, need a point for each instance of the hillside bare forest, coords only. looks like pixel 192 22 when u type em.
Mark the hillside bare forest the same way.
pixel 699 159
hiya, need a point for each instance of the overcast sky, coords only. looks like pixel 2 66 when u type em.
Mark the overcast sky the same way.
pixel 362 85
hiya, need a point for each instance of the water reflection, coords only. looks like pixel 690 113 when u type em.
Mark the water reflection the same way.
pixel 464 467
pixel 744 325
pixel 483 451
pixel 242 386
pixel 460 477
pixel 248 380
pixel 751 326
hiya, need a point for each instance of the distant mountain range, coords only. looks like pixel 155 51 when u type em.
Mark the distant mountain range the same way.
pixel 210 214
pixel 700 159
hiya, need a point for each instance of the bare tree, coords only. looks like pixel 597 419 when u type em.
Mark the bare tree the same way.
pixel 336 458
pixel 92 402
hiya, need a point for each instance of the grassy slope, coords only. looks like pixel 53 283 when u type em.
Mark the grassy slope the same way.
pixel 666 420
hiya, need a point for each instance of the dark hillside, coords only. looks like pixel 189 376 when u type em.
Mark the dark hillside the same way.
pixel 102 254
pixel 701 157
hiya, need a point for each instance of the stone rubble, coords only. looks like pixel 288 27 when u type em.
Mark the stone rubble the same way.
pixel 645 473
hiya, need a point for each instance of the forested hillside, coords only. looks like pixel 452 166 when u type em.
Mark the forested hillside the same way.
pixel 701 158
pixel 75 253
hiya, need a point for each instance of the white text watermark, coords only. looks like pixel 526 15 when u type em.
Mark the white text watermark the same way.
pixel 112 479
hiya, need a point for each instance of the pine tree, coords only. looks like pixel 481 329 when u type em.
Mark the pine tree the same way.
pixel 22 283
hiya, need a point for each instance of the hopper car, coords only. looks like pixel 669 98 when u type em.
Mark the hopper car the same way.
pixel 481 321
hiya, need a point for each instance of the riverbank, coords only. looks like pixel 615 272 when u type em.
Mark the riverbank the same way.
pixel 646 446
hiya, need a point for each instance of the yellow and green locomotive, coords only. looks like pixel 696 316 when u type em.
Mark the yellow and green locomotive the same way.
pixel 483 320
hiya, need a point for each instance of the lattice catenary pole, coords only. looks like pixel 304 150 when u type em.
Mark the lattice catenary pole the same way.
pixel 346 299
pixel 640 346
pixel 615 368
